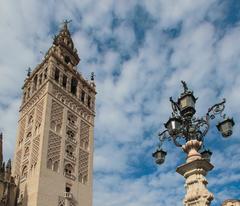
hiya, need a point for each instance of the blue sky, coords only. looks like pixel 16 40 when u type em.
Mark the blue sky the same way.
pixel 139 51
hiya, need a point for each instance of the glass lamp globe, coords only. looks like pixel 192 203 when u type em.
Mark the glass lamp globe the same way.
pixel 206 154
pixel 226 127
pixel 173 125
pixel 159 156
pixel 187 104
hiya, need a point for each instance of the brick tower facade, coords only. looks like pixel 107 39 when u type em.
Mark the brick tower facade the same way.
pixel 53 158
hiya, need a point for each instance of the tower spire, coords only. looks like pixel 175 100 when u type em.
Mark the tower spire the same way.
pixel 65 42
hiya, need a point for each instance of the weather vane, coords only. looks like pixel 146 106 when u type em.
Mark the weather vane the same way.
pixel 66 22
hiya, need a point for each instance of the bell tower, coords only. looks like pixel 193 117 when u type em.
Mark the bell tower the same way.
pixel 53 159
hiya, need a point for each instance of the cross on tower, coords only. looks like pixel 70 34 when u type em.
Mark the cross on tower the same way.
pixel 66 22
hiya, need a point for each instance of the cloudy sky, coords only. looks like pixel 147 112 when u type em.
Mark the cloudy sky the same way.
pixel 139 51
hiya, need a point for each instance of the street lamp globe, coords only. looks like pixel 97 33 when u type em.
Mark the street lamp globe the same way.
pixel 186 104
pixel 173 125
pixel 226 127
pixel 159 156
pixel 206 154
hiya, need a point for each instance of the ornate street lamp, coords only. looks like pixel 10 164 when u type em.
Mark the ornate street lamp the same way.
pixel 184 126
pixel 173 125
pixel 159 156
pixel 206 154
pixel 186 102
pixel 225 127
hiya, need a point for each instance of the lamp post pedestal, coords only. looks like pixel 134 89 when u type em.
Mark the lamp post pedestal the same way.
pixel 194 172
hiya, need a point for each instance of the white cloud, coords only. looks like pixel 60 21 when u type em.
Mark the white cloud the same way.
pixel 133 104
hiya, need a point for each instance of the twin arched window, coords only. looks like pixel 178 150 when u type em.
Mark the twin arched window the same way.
pixel 55 127
pixel 70 134
pixel 30 120
pixel 68 169
pixel 26 152
pixel 69 150
pixel 52 165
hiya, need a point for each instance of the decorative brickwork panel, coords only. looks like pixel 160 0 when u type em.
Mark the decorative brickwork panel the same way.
pixel 22 130
pixel 61 201
pixel 56 112
pixel 18 162
pixel 30 119
pixel 56 117
pixel 24 172
pixel 83 166
pixel 84 135
pixel 72 120
pixel 39 112
pixel 54 148
pixel 26 107
pixel 35 151
pixel 26 152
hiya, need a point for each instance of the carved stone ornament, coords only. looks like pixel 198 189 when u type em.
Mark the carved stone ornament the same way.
pixel 194 172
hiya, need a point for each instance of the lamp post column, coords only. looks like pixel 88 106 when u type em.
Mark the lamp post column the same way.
pixel 194 171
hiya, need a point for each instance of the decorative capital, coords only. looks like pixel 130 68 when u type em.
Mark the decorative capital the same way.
pixel 191 148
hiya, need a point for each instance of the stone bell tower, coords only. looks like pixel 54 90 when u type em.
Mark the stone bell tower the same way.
pixel 54 147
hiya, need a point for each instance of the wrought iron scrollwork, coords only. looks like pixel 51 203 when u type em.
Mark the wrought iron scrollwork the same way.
pixel 216 109
pixel 188 127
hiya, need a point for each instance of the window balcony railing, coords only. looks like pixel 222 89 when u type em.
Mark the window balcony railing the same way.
pixel 68 195
pixel 71 157
pixel 70 176
pixel 74 126
pixel 74 141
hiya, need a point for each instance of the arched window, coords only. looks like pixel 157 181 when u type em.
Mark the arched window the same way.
pixel 82 96
pixel 69 150
pixel 67 59
pixel 68 169
pixel 71 118
pixel 89 101
pixel 74 83
pixel 26 152
pixel 53 125
pixel 49 164
pixel 40 79
pixel 56 74
pixel 35 80
pixel 58 128
pixel 45 73
pixel 85 179
pixel 68 189
pixel 64 82
pixel 24 172
pixel 70 134
pixel 30 120
pixel 55 166
pixel 20 141
pixel 86 145
pixel 37 128
pixel 29 135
